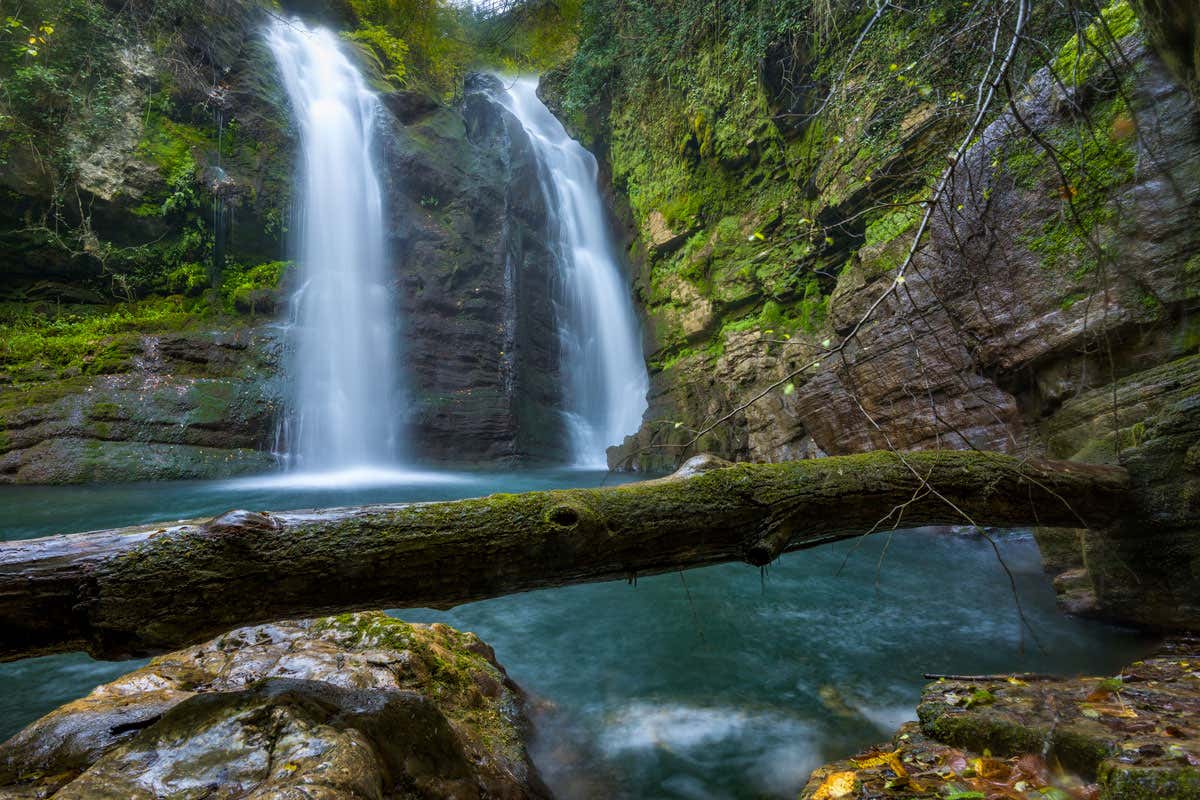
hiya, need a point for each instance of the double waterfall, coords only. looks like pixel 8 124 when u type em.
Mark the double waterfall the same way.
pixel 345 407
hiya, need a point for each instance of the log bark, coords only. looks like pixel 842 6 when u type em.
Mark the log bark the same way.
pixel 148 589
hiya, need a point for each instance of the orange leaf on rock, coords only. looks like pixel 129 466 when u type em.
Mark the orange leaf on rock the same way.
pixel 839 784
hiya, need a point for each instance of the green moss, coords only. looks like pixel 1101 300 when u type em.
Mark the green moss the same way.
pixel 15 399
pixel 1097 160
pixel 1079 58
pixel 1148 783
pixel 980 731
pixel 891 225
pixel 190 279
pixel 104 410
pixel 1068 302
pixel 775 200
pixel 47 343
pixel 240 284
pixel 391 50
pixel 81 339
pixel 171 146
pixel 453 663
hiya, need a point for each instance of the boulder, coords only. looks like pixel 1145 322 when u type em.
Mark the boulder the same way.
pixel 355 706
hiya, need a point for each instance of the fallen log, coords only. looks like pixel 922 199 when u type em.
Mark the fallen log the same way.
pixel 152 588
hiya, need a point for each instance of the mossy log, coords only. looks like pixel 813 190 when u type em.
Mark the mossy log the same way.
pixel 148 589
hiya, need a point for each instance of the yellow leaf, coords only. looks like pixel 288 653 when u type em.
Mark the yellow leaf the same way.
pixel 1124 712
pixel 839 784
pixel 892 760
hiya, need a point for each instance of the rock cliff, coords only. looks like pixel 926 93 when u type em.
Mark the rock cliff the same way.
pixel 1049 309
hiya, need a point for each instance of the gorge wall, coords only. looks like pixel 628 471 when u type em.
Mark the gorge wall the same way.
pixel 772 185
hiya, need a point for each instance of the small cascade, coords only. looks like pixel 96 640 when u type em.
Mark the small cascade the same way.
pixel 345 401
pixel 604 375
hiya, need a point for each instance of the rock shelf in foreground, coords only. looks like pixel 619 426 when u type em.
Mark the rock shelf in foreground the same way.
pixel 1133 736
pixel 354 706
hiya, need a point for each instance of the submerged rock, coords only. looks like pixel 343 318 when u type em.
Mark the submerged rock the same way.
pixel 1135 735
pixel 354 706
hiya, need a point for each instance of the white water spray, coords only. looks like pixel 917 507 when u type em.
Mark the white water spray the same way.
pixel 605 381
pixel 344 404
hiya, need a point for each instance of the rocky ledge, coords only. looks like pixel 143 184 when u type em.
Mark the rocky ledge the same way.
pixel 194 403
pixel 1131 736
pixel 355 706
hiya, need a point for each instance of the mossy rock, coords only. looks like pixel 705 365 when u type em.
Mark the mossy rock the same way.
pixel 359 704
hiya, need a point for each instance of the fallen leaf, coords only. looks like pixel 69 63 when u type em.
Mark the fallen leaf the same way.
pixel 839 784
pixel 891 759
pixel 1110 710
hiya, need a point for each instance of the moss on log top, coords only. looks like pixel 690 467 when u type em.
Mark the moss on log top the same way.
pixel 148 589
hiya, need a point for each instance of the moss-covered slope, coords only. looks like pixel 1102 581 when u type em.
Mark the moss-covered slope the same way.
pixel 774 165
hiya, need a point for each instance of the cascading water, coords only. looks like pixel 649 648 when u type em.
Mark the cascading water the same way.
pixel 605 380
pixel 344 403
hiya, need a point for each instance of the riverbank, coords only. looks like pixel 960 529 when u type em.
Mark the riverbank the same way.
pixel 1132 735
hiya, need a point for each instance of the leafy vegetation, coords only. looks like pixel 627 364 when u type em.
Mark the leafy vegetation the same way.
pixel 60 340
pixel 430 45
pixel 791 139
pixel 80 339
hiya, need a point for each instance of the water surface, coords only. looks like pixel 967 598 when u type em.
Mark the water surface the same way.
pixel 722 682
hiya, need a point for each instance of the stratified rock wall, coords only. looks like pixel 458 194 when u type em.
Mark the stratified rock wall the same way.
pixel 474 272
pixel 176 406
pixel 197 392
pixel 1051 308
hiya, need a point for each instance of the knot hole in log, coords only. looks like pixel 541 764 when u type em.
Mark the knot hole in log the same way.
pixel 574 513
pixel 564 516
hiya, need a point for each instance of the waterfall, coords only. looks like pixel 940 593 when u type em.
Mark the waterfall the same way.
pixel 344 402
pixel 604 376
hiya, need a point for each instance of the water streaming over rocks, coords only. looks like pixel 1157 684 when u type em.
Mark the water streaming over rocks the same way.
pixel 604 375
pixel 345 400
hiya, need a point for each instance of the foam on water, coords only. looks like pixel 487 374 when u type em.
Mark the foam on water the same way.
pixel 349 478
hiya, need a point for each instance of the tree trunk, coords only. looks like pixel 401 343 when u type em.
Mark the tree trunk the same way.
pixel 144 590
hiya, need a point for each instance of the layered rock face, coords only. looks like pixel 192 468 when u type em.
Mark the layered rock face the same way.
pixel 998 322
pixel 468 228
pixel 178 405
pixel 357 706
pixel 147 182
pixel 1049 310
